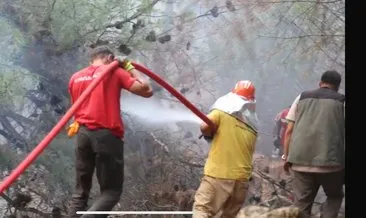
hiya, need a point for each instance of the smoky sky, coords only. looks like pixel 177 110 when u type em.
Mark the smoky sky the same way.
pixel 217 51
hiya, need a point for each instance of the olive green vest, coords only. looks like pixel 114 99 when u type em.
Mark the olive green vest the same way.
pixel 319 129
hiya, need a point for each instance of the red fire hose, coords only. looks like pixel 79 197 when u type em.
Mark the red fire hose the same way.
pixel 57 128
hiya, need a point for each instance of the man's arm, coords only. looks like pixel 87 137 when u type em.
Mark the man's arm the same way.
pixel 288 134
pixel 134 85
pixel 141 87
pixel 291 115
pixel 206 130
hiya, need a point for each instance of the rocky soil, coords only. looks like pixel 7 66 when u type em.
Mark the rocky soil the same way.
pixel 269 195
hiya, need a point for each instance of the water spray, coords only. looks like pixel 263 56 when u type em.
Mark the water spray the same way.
pixel 57 128
pixel 174 92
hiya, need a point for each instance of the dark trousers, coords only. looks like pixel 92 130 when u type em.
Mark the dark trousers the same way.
pixel 100 150
pixel 306 186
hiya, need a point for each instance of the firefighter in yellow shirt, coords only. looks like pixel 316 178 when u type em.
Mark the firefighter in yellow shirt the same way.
pixel 229 165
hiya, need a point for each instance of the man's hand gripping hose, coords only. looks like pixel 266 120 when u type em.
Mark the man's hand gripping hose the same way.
pixel 210 137
pixel 124 63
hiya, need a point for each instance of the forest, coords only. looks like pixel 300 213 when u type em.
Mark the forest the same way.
pixel 200 47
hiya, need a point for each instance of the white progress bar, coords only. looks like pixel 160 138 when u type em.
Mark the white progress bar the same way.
pixel 136 212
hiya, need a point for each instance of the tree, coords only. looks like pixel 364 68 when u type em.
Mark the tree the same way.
pixel 201 47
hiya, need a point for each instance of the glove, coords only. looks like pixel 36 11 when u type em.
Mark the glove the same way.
pixel 125 63
pixel 73 129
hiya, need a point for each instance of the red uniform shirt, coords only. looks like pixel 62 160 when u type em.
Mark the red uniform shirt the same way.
pixel 282 117
pixel 102 108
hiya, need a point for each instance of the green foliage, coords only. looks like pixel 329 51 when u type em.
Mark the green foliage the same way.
pixel 78 21
pixel 72 23
pixel 301 7
pixel 69 16
pixel 188 15
pixel 8 158
pixel 13 85
pixel 145 6
pixel 13 80
pixel 9 88
pixel 10 38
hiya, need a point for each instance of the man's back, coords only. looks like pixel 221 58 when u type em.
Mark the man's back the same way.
pixel 102 108
pixel 318 137
pixel 232 148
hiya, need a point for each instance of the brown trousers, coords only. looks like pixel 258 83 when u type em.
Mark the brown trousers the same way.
pixel 306 186
pixel 100 150
pixel 215 194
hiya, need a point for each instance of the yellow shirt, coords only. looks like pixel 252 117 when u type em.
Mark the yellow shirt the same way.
pixel 232 148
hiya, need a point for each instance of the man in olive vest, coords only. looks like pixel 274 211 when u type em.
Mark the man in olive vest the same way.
pixel 314 145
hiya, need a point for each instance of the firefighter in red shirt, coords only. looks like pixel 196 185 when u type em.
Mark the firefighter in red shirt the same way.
pixel 100 130
pixel 279 132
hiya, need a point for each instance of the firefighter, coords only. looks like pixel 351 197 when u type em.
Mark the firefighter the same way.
pixel 100 130
pixel 279 132
pixel 228 168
